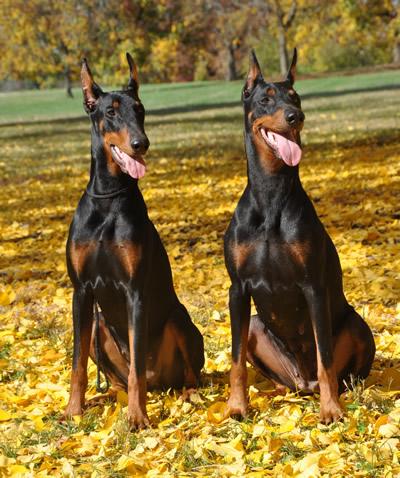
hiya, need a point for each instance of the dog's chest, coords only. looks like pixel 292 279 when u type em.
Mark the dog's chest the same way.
pixel 105 259
pixel 107 251
pixel 276 263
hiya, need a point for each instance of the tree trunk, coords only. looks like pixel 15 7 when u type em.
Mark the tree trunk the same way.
pixel 68 82
pixel 232 72
pixel 396 50
pixel 283 53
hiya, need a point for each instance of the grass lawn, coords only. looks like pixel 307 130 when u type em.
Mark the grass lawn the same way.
pixel 196 173
pixel 48 104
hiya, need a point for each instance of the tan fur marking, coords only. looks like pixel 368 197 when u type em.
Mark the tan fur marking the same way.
pixel 330 408
pixel 137 388
pixel 237 402
pixel 79 253
pixel 122 140
pixel 129 254
pixel 271 92
pixel 276 122
pixel 79 378
pixel 241 252
pixel 115 104
pixel 299 252
pixel 291 92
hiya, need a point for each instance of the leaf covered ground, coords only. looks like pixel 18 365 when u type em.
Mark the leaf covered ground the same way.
pixel 197 171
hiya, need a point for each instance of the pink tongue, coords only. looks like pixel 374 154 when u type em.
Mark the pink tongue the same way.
pixel 128 164
pixel 288 150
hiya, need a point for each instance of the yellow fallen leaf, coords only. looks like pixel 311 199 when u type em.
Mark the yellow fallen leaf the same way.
pixel 217 412
pixel 122 398
pixel 18 471
pixel 388 430
pixel 382 420
pixel 4 416
pixel 7 297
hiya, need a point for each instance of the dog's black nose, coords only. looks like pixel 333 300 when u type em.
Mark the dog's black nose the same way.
pixel 140 145
pixel 294 117
pixel 291 118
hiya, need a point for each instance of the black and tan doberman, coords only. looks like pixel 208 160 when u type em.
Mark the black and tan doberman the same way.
pixel 305 335
pixel 144 335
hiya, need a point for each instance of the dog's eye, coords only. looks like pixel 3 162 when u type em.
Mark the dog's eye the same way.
pixel 266 100
pixel 110 112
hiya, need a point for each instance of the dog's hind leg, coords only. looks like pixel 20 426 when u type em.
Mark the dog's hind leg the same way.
pixel 180 355
pixel 112 360
pixel 354 350
pixel 270 357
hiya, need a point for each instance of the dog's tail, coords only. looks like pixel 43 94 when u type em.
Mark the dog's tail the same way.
pixel 98 352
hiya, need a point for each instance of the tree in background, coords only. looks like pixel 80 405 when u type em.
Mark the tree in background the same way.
pixel 230 24
pixel 177 40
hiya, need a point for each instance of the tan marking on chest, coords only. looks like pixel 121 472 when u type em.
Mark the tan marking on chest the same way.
pixel 79 252
pixel 129 254
pixel 299 252
pixel 241 252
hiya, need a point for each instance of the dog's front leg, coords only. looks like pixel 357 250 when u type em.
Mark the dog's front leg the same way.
pixel 239 307
pixel 137 386
pixel 82 312
pixel 317 301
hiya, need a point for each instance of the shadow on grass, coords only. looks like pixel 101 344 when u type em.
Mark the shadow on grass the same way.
pixel 210 105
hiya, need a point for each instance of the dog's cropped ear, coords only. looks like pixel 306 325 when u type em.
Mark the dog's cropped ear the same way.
pixel 133 83
pixel 253 76
pixel 291 74
pixel 91 90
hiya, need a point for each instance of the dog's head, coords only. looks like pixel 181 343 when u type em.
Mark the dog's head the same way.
pixel 118 119
pixel 273 115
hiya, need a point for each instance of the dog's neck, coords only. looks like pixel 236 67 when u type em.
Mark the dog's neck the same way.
pixel 270 182
pixel 105 175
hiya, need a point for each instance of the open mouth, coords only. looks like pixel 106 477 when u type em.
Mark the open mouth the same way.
pixel 134 166
pixel 284 148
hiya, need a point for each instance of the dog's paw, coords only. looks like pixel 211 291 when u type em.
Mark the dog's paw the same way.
pixel 331 411
pixel 236 407
pixel 187 393
pixel 74 408
pixel 138 420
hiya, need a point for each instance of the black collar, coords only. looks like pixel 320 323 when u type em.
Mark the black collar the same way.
pixel 107 195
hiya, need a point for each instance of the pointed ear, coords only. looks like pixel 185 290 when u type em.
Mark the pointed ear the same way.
pixel 91 90
pixel 291 74
pixel 133 83
pixel 253 76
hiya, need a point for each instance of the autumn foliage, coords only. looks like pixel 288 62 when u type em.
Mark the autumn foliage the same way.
pixel 176 40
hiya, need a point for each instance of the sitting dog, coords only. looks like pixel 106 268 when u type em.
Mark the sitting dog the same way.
pixel 115 258
pixel 305 335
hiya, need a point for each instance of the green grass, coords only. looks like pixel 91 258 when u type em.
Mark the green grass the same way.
pixel 50 104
